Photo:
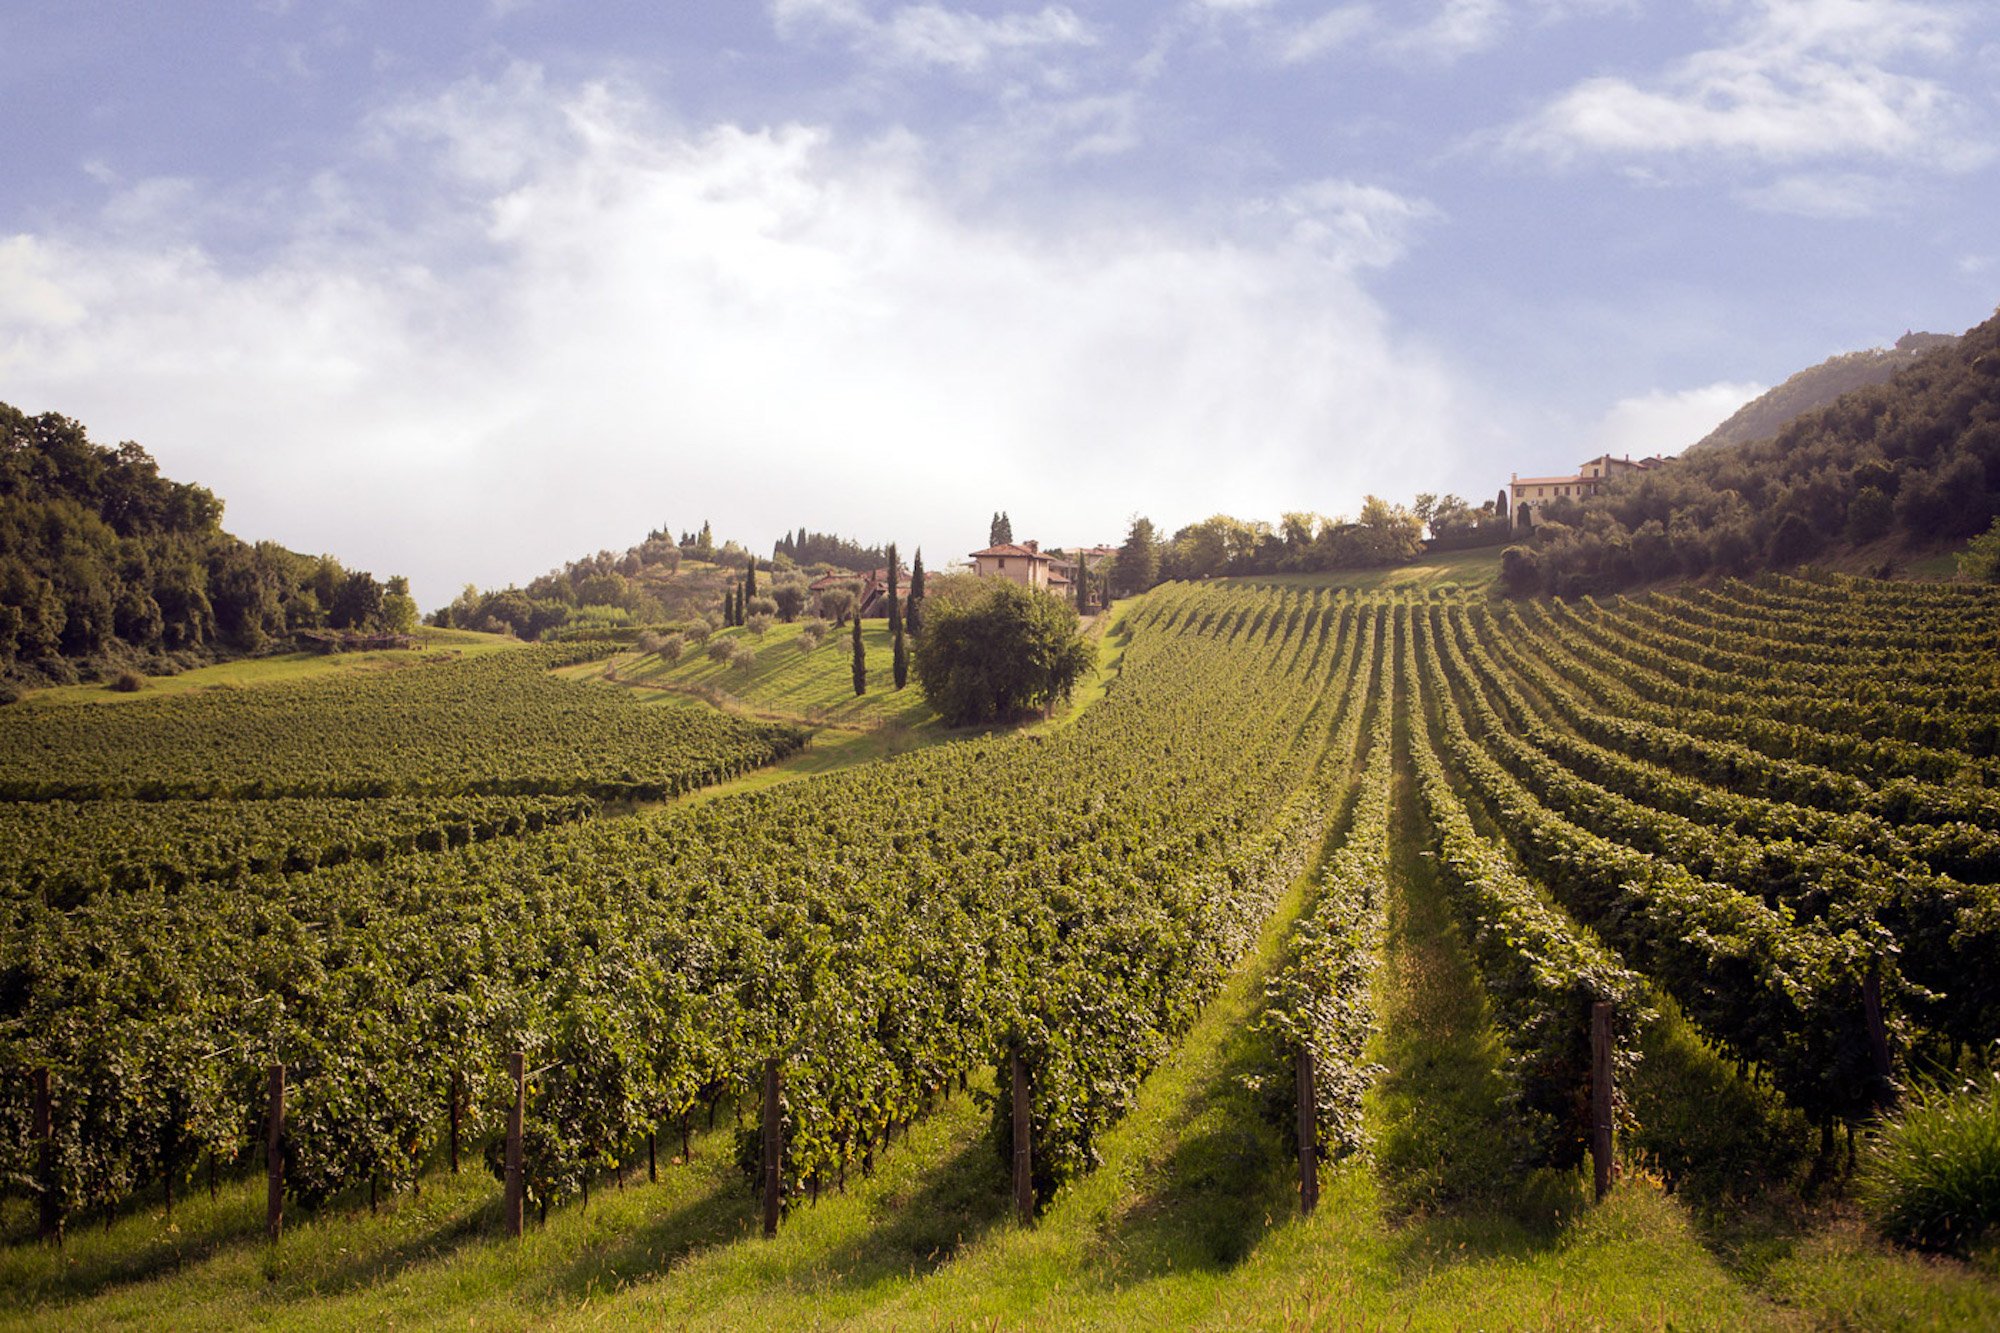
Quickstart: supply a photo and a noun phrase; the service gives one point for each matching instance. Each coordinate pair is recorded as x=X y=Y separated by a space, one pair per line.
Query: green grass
x=249 y=672
x=786 y=682
x=1468 y=569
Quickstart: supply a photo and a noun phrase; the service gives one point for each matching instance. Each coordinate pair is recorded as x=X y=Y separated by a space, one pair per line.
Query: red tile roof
x=1011 y=549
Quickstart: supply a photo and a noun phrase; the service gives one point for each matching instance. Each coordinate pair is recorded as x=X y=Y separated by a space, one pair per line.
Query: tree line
x=105 y=566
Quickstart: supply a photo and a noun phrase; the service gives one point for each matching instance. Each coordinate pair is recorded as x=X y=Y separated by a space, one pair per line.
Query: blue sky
x=463 y=290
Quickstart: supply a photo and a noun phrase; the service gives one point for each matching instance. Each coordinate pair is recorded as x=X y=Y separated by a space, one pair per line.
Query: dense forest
x=107 y=566
x=1914 y=461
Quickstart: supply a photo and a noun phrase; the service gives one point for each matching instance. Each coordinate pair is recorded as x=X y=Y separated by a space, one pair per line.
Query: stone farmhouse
x=1532 y=492
x=1026 y=564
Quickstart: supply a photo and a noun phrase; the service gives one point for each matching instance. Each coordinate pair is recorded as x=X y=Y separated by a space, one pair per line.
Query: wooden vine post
x=51 y=1227
x=774 y=1149
x=274 y=1155
x=516 y=1193
x=1878 y=1035
x=1308 y=1133
x=455 y=1094
x=1600 y=1095
x=1024 y=1156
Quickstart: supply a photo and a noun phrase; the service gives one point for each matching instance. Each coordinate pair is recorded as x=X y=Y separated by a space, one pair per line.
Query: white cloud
x=1666 y=422
x=524 y=323
x=932 y=35
x=1460 y=28
x=1330 y=31
x=1348 y=224
x=1799 y=80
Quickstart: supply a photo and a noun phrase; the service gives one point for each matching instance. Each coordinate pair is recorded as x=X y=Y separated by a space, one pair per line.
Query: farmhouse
x=1021 y=563
x=1530 y=492
x=873 y=598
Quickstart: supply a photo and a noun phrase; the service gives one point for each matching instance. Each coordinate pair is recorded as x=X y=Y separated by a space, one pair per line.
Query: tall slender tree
x=749 y=582
x=913 y=614
x=899 y=652
x=860 y=661
x=1082 y=581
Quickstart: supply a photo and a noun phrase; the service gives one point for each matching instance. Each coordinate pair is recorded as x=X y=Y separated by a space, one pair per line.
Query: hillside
x=1416 y=833
x=1817 y=386
x=1902 y=471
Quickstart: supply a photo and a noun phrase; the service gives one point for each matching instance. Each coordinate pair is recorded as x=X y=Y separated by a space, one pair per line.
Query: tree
x=899 y=652
x=836 y=602
x=704 y=543
x=1138 y=559
x=1081 y=590
x=399 y=609
x=998 y=653
x=790 y=599
x=357 y=604
x=1980 y=562
x=1500 y=504
x=1793 y=541
x=1002 y=531
x=860 y=661
x=917 y=577
x=750 y=579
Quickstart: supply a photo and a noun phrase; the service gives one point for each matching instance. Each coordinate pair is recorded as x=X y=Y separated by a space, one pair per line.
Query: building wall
x=1014 y=568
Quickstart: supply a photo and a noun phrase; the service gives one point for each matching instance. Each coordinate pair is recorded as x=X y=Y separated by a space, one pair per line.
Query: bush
x=720 y=649
x=670 y=648
x=758 y=624
x=743 y=657
x=1931 y=1177
x=648 y=642
x=999 y=653
x=1981 y=561
x=810 y=638
x=129 y=682
x=9 y=693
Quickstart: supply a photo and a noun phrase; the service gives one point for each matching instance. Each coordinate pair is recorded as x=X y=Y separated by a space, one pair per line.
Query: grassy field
x=789 y=684
x=1465 y=569
x=252 y=671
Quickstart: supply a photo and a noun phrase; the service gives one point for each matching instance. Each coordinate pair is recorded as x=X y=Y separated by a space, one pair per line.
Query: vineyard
x=1754 y=829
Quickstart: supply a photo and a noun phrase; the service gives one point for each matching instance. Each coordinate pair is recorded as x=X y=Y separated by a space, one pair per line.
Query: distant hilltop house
x=1532 y=492
x=1024 y=563
x=873 y=599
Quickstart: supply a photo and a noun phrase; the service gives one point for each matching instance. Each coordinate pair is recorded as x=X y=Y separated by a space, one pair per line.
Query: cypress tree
x=728 y=607
x=901 y=660
x=917 y=576
x=895 y=606
x=1082 y=580
x=749 y=582
x=860 y=661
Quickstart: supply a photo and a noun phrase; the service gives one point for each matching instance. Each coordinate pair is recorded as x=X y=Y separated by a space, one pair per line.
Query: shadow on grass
x=139 y=1246
x=919 y=1226
x=1229 y=1179
x=724 y=1211
x=1444 y=1133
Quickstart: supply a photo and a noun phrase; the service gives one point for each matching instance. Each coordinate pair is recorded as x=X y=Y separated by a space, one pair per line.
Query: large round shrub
x=997 y=652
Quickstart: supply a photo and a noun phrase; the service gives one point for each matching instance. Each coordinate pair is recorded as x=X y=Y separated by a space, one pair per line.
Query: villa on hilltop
x=1532 y=492
x=1026 y=564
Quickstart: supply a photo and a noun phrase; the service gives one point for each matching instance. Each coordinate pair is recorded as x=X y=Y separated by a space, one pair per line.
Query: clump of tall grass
x=1931 y=1177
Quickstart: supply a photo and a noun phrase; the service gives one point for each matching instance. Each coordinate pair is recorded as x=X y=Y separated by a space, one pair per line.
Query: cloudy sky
x=462 y=290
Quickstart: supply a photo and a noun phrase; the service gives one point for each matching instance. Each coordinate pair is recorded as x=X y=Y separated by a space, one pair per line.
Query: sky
x=466 y=289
